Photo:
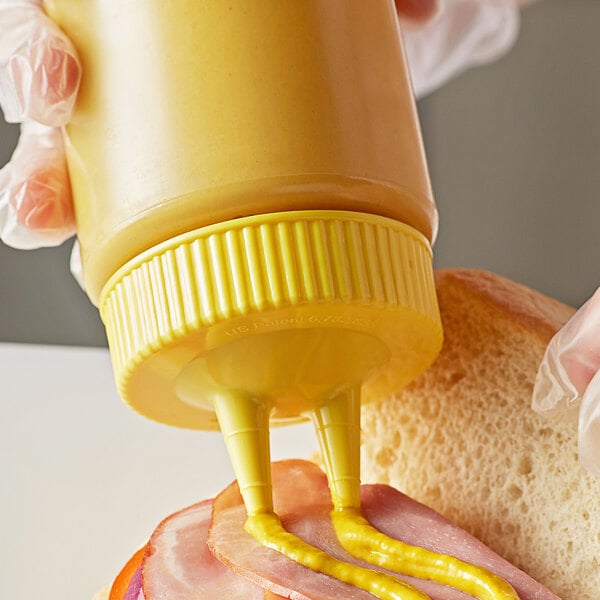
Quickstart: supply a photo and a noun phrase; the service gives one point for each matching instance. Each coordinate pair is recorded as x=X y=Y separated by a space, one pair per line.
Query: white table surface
x=85 y=480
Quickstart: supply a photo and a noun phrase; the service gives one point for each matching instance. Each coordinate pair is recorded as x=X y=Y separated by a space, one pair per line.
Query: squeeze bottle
x=252 y=200
x=255 y=215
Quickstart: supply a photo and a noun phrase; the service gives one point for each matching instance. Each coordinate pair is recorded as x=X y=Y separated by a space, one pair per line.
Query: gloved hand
x=459 y=35
x=39 y=78
x=569 y=379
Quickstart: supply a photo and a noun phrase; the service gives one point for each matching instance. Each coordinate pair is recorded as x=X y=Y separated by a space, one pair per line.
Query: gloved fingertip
x=62 y=75
x=589 y=427
x=76 y=264
x=589 y=449
x=54 y=82
x=418 y=11
x=552 y=391
x=43 y=202
x=41 y=78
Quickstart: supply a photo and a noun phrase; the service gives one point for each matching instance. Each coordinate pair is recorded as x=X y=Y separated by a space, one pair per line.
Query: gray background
x=514 y=153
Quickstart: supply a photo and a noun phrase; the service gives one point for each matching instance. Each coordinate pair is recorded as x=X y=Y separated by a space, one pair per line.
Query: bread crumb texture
x=464 y=440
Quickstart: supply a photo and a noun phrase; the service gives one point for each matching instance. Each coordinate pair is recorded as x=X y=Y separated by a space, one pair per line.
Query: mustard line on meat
x=363 y=541
x=245 y=425
x=267 y=529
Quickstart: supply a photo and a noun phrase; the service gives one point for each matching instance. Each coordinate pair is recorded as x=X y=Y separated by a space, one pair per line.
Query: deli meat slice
x=400 y=517
x=268 y=568
x=179 y=566
x=302 y=501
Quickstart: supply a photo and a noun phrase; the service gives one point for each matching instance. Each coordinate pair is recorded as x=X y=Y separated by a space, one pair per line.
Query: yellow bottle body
x=192 y=113
x=242 y=172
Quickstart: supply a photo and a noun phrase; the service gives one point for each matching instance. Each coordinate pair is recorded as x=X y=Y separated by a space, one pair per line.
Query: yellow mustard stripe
x=267 y=529
x=362 y=540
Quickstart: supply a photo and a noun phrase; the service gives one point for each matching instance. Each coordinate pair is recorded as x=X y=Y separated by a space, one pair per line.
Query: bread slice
x=464 y=440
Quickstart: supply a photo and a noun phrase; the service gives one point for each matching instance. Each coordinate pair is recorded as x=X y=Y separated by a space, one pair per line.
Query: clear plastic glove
x=39 y=78
x=569 y=379
x=461 y=34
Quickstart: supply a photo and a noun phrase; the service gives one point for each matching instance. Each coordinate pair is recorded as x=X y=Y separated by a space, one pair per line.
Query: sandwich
x=483 y=478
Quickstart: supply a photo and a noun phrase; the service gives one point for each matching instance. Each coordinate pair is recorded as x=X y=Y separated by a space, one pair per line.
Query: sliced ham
x=302 y=501
x=179 y=566
x=401 y=517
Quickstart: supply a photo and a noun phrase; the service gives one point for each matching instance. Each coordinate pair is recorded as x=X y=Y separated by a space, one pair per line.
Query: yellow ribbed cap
x=290 y=307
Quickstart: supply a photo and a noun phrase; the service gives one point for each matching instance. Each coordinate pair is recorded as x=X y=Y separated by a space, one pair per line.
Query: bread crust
x=539 y=315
